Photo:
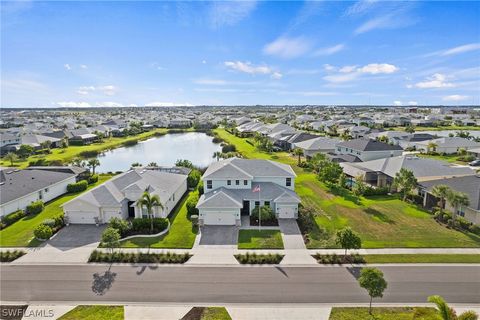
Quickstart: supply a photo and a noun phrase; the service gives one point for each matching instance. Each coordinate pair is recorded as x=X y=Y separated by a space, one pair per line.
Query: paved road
x=407 y=284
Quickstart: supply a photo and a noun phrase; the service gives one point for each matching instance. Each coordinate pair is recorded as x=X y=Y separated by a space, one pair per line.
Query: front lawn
x=260 y=239
x=399 y=313
x=94 y=313
x=20 y=233
x=422 y=258
x=207 y=313
x=381 y=222
x=180 y=236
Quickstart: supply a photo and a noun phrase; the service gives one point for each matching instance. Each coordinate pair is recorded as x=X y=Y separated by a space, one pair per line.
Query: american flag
x=256 y=189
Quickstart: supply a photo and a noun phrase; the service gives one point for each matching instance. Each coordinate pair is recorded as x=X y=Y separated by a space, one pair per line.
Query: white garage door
x=107 y=215
x=81 y=217
x=286 y=212
x=219 y=218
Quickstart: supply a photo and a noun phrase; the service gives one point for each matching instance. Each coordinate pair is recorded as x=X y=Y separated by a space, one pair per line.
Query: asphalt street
x=183 y=284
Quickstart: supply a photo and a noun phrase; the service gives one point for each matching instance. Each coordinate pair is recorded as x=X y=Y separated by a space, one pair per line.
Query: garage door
x=286 y=212
x=81 y=217
x=107 y=215
x=219 y=218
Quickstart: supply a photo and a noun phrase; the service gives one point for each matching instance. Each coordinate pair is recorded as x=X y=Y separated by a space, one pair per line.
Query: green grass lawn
x=215 y=313
x=381 y=222
x=422 y=258
x=66 y=155
x=399 y=313
x=260 y=239
x=94 y=313
x=20 y=233
x=181 y=235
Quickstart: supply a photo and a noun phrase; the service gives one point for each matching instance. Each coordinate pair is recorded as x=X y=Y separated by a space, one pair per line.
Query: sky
x=120 y=53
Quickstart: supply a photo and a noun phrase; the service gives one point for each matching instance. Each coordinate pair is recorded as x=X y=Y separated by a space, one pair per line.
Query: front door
x=131 y=210
x=246 y=208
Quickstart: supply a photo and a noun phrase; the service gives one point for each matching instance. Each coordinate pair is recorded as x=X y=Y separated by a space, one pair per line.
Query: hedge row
x=11 y=218
x=77 y=187
x=9 y=256
x=254 y=258
x=35 y=207
x=125 y=257
x=338 y=259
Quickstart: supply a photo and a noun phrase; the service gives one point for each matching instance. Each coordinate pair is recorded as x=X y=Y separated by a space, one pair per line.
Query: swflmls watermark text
x=18 y=312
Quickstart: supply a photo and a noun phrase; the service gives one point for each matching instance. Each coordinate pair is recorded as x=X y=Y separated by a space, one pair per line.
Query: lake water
x=165 y=151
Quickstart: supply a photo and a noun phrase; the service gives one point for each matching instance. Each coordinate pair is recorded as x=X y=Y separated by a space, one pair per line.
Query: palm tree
x=457 y=200
x=299 y=153
x=432 y=146
x=447 y=313
x=153 y=164
x=149 y=201
x=217 y=154
x=45 y=145
x=441 y=191
x=78 y=162
x=93 y=163
x=12 y=157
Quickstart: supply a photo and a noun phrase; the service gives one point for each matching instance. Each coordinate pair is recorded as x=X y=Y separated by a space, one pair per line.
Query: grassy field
x=399 y=313
x=381 y=222
x=260 y=239
x=20 y=234
x=422 y=258
x=181 y=235
x=450 y=158
x=66 y=155
x=94 y=313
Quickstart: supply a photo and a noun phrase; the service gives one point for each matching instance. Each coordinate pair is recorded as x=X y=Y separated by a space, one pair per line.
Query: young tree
x=12 y=157
x=405 y=182
x=45 y=145
x=348 y=239
x=329 y=171
x=64 y=143
x=457 y=200
x=342 y=180
x=432 y=147
x=371 y=279
x=299 y=153
x=441 y=191
x=360 y=186
x=410 y=129
x=447 y=313
x=149 y=201
x=93 y=163
x=111 y=238
x=25 y=150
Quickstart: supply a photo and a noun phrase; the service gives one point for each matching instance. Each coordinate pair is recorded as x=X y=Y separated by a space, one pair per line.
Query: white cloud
x=83 y=66
x=461 y=49
x=228 y=13
x=455 y=97
x=249 y=68
x=360 y=7
x=376 y=68
x=204 y=61
x=109 y=104
x=328 y=67
x=329 y=50
x=168 y=104
x=342 y=77
x=73 y=104
x=375 y=23
x=412 y=103
x=287 y=48
x=347 y=69
x=397 y=103
x=438 y=80
x=85 y=90
x=349 y=73
x=67 y=66
x=108 y=90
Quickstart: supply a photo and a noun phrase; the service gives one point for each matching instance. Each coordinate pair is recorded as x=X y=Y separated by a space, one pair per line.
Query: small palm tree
x=93 y=163
x=441 y=191
x=153 y=164
x=432 y=147
x=12 y=157
x=78 y=162
x=457 y=200
x=150 y=201
x=299 y=153
x=217 y=155
x=447 y=313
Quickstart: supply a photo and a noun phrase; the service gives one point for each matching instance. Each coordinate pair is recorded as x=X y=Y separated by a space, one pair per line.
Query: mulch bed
x=266 y=223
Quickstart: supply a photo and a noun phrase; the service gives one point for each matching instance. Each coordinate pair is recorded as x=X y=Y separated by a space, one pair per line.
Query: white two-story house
x=234 y=187
x=367 y=149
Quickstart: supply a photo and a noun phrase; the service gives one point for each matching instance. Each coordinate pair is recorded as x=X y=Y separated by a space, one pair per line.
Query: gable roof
x=363 y=144
x=247 y=169
x=467 y=184
x=318 y=143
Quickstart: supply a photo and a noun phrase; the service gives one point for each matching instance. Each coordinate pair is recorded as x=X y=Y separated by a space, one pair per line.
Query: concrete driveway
x=219 y=235
x=78 y=235
x=292 y=237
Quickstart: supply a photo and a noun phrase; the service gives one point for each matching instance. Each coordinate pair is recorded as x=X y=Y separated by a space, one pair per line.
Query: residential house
x=367 y=149
x=8 y=142
x=447 y=145
x=317 y=145
x=234 y=187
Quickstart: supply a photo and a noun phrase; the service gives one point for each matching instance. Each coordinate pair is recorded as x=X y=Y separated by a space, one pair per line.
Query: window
x=267 y=203
x=46 y=190
x=237 y=182
x=144 y=212
x=209 y=184
x=245 y=182
x=257 y=203
x=229 y=182
x=288 y=182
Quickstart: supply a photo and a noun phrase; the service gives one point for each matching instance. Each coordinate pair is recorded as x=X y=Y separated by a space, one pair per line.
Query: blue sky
x=227 y=53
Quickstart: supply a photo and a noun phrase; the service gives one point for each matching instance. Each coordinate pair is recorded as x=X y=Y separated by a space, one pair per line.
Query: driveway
x=292 y=237
x=77 y=235
x=219 y=235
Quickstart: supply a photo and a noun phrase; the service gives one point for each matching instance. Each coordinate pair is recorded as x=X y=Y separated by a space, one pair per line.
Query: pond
x=164 y=150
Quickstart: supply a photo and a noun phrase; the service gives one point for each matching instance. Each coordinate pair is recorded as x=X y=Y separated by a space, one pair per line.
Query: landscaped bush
x=38 y=162
x=474 y=228
x=306 y=219
x=266 y=213
x=121 y=225
x=11 y=218
x=92 y=179
x=77 y=187
x=229 y=148
x=127 y=257
x=191 y=203
x=49 y=222
x=43 y=232
x=338 y=259
x=254 y=258
x=466 y=158
x=9 y=256
x=35 y=207
x=89 y=154
x=142 y=225
x=200 y=188
x=462 y=223
x=217 y=139
x=59 y=220
x=381 y=191
x=193 y=178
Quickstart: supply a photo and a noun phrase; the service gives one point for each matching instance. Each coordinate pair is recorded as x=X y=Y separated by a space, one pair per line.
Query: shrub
x=474 y=228
x=266 y=213
x=92 y=179
x=89 y=154
x=193 y=178
x=35 y=207
x=339 y=259
x=125 y=257
x=77 y=187
x=184 y=163
x=49 y=222
x=38 y=162
x=43 y=232
x=229 y=148
x=142 y=225
x=306 y=219
x=12 y=217
x=217 y=140
x=119 y=224
x=191 y=203
x=200 y=188
x=462 y=223
x=59 y=220
x=381 y=191
x=254 y=258
x=9 y=256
